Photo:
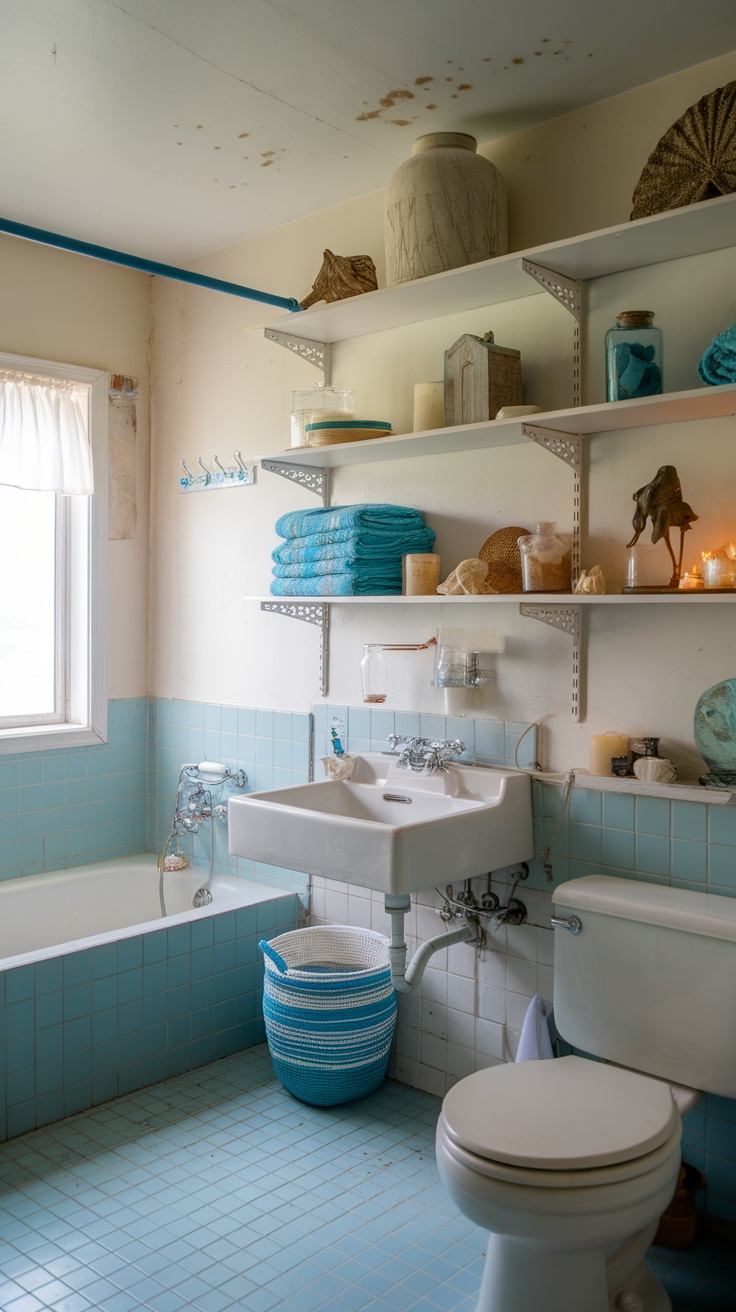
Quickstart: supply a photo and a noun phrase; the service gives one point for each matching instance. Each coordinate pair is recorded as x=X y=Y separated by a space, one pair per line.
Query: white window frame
x=83 y=591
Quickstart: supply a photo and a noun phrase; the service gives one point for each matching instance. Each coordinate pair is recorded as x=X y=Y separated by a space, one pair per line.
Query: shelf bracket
x=569 y=293
x=312 y=613
x=318 y=354
x=311 y=478
x=569 y=620
x=568 y=447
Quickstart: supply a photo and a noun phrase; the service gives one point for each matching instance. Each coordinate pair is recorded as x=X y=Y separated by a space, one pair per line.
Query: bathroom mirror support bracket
x=312 y=479
x=569 y=620
x=318 y=354
x=312 y=613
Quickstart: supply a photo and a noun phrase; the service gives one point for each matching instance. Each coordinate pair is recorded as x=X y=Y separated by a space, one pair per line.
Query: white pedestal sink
x=390 y=828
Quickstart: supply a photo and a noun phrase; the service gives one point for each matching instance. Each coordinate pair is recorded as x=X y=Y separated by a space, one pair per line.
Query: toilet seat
x=568 y=1117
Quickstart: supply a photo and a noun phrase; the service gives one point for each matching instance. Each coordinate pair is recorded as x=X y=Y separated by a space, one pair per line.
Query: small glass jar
x=633 y=356
x=314 y=403
x=546 y=560
x=373 y=673
x=420 y=574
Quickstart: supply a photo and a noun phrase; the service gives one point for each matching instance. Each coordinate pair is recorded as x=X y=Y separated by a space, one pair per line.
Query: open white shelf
x=703 y=597
x=673 y=407
x=689 y=790
x=692 y=230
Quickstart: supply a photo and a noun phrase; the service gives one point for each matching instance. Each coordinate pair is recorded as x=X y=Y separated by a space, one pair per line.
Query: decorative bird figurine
x=661 y=502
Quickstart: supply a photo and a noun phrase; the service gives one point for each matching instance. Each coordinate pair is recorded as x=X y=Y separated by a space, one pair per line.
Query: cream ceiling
x=171 y=128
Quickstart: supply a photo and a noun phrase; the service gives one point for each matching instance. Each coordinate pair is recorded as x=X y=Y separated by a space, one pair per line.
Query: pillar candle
x=429 y=406
x=420 y=574
x=602 y=747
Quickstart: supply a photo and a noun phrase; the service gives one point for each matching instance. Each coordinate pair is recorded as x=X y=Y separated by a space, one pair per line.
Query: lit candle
x=604 y=746
x=719 y=568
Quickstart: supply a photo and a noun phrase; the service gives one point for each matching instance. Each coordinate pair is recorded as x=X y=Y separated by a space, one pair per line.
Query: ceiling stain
x=389 y=101
x=422 y=81
x=401 y=122
x=243 y=134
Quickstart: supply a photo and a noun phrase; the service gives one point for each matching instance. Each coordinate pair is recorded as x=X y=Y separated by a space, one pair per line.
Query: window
x=52 y=596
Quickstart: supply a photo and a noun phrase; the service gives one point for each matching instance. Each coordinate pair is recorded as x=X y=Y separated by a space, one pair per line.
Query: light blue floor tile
x=216 y=1191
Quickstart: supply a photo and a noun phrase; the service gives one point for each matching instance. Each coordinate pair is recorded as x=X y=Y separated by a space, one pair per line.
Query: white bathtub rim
x=261 y=893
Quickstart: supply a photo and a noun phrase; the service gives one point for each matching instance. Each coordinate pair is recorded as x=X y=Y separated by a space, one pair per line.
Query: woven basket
x=329 y=1006
x=678 y=1224
x=502 y=555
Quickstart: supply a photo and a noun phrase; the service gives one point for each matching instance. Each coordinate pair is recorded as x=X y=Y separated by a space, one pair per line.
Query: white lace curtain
x=44 y=441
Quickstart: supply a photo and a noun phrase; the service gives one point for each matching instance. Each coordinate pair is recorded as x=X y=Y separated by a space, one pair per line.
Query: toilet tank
x=650 y=980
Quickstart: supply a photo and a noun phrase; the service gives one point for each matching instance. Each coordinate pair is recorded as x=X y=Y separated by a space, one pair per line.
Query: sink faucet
x=425 y=753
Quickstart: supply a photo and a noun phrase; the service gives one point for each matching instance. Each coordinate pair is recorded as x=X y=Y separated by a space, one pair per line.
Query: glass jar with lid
x=546 y=560
x=321 y=402
x=633 y=356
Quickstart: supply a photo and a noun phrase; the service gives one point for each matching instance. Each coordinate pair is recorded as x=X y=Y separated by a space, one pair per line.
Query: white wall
x=58 y=306
x=220 y=385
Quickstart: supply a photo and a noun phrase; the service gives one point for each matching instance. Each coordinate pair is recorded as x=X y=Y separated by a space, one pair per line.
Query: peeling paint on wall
x=122 y=509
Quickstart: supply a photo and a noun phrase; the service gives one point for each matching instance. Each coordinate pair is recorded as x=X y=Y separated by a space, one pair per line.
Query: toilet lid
x=563 y=1114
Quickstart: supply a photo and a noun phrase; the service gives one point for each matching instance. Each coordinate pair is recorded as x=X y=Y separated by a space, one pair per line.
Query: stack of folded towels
x=346 y=551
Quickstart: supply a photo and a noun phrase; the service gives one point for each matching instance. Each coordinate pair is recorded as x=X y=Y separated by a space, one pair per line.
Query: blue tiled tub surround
x=101 y=1016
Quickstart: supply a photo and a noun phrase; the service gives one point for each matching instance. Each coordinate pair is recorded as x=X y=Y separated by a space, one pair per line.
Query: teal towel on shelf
x=718 y=364
x=348 y=546
x=384 y=567
x=331 y=519
x=331 y=585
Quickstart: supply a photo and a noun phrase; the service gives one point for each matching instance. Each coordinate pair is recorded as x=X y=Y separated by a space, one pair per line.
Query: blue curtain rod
x=144 y=266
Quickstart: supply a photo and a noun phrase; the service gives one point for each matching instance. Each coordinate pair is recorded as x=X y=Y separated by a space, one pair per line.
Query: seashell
x=469 y=577
x=342 y=276
x=591 y=580
x=694 y=160
x=655 y=770
x=503 y=557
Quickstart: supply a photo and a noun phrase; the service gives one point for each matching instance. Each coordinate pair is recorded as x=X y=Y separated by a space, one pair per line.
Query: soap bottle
x=633 y=356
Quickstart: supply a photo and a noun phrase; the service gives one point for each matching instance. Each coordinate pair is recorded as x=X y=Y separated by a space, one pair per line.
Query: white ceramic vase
x=445 y=207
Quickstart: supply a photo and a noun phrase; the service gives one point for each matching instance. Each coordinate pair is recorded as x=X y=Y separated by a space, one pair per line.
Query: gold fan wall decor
x=694 y=160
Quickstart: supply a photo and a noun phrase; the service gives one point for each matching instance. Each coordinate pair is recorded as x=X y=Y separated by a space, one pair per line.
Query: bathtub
x=100 y=996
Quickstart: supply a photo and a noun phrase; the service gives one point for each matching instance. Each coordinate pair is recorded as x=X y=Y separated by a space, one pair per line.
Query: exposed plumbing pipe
x=45 y=238
x=407 y=978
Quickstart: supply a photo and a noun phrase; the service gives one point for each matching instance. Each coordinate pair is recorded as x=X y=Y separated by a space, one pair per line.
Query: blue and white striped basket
x=330 y=1011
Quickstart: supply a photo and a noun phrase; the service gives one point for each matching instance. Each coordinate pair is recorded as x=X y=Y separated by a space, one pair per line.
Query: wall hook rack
x=241 y=474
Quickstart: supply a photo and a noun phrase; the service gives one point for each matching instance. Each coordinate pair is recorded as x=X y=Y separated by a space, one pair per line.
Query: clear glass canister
x=633 y=356
x=315 y=403
x=546 y=560
x=373 y=672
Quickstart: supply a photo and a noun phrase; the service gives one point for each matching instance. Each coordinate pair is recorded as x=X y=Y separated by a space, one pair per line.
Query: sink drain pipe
x=407 y=978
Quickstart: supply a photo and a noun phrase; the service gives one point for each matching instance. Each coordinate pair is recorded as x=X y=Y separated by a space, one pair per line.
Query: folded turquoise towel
x=331 y=519
x=331 y=585
x=386 y=568
x=718 y=364
x=352 y=545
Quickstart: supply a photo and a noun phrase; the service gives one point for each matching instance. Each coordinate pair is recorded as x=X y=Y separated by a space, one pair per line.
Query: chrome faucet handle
x=439 y=753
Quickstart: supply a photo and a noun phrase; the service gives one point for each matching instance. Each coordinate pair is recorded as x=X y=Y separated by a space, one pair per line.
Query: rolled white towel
x=535 y=1043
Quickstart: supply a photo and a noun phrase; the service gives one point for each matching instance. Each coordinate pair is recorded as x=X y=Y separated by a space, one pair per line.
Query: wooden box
x=480 y=378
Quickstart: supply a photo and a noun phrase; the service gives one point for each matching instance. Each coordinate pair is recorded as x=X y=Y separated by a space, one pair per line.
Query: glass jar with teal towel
x=633 y=356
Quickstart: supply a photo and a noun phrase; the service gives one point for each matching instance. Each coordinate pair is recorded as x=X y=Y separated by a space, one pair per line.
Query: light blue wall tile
x=618 y=811
x=652 y=853
x=722 y=825
x=489 y=740
x=586 y=843
x=689 y=821
x=619 y=848
x=722 y=868
x=689 y=861
x=586 y=806
x=652 y=815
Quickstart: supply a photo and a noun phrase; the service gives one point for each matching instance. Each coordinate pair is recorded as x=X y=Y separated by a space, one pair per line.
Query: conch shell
x=469 y=576
x=591 y=580
x=655 y=770
x=342 y=276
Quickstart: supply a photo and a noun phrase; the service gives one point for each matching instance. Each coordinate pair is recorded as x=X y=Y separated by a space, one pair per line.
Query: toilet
x=569 y=1163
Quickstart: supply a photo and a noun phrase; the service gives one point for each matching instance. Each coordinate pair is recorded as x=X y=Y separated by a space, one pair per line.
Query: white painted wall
x=219 y=386
x=58 y=306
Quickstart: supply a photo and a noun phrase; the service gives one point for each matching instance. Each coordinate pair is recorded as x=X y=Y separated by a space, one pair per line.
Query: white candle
x=603 y=746
x=429 y=406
